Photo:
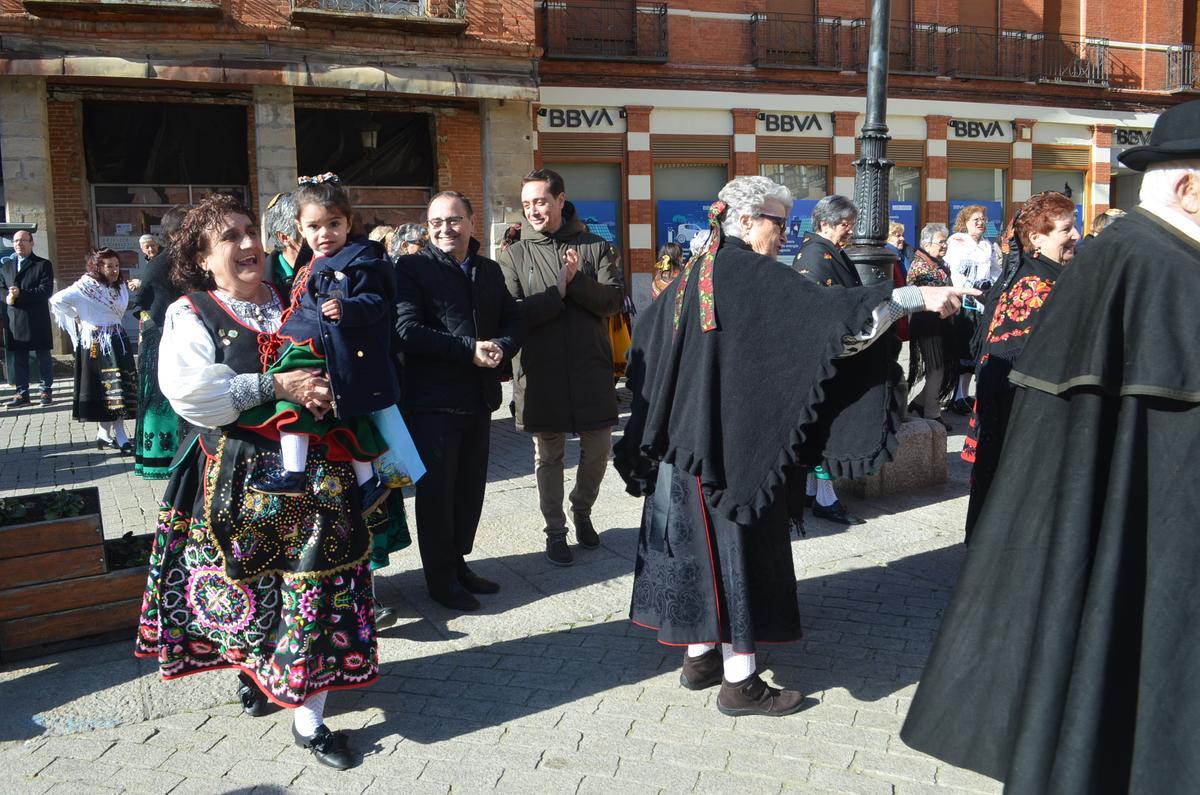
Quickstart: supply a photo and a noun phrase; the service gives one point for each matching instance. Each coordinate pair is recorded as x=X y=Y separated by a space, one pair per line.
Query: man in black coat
x=455 y=324
x=27 y=282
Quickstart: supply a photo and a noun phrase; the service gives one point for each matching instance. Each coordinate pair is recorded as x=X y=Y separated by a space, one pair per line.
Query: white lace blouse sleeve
x=188 y=375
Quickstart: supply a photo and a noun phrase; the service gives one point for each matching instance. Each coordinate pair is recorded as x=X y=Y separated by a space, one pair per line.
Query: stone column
x=1102 y=135
x=936 y=170
x=506 y=139
x=745 y=142
x=639 y=206
x=843 y=153
x=1022 y=167
x=25 y=144
x=274 y=143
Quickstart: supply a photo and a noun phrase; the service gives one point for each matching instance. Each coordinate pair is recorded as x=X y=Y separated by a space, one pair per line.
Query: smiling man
x=569 y=283
x=456 y=325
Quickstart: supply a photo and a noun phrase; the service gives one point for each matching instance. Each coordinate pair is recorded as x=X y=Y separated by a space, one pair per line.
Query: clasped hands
x=487 y=354
x=308 y=387
x=570 y=267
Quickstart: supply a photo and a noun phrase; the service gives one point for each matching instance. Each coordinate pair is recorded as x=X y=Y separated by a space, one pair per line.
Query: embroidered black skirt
x=105 y=380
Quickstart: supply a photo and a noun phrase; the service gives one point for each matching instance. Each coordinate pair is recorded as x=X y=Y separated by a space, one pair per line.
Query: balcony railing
x=1183 y=69
x=987 y=53
x=1067 y=59
x=618 y=30
x=427 y=15
x=794 y=41
x=125 y=9
x=913 y=47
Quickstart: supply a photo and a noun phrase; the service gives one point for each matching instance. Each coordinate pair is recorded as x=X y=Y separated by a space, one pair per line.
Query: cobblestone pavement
x=548 y=689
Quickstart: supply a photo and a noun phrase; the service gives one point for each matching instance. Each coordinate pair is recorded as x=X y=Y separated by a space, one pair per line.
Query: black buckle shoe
x=19 y=400
x=385 y=616
x=328 y=747
x=374 y=495
x=47 y=398
x=756 y=697
x=585 y=533
x=126 y=449
x=254 y=703
x=473 y=583
x=835 y=513
x=701 y=672
x=281 y=484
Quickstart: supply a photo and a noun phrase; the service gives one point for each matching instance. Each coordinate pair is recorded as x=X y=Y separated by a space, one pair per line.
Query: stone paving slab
x=547 y=689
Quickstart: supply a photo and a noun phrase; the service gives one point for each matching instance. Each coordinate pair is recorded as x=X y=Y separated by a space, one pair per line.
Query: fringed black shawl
x=734 y=406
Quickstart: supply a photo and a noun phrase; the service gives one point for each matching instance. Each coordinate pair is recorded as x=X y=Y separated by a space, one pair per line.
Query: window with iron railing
x=428 y=11
x=1069 y=59
x=796 y=41
x=1183 y=69
x=913 y=47
x=605 y=30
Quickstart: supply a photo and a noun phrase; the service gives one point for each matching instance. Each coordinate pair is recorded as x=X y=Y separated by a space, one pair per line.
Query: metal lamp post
x=874 y=262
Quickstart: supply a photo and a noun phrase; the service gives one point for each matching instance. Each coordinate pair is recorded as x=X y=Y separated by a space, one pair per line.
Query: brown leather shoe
x=703 y=671
x=756 y=697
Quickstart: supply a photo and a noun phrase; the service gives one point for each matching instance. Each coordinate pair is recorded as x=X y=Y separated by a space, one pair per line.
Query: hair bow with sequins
x=328 y=176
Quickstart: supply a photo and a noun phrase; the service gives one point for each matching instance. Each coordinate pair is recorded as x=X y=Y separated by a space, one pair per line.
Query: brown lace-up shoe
x=703 y=671
x=756 y=697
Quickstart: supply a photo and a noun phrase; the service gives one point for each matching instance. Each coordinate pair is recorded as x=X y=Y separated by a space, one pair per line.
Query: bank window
x=595 y=191
x=682 y=193
x=1072 y=184
x=985 y=186
x=904 y=200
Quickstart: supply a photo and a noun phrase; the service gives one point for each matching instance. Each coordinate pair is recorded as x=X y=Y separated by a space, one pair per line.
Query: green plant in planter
x=62 y=504
x=12 y=509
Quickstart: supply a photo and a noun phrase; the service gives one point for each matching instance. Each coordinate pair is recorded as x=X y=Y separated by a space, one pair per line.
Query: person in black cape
x=1066 y=661
x=1041 y=241
x=724 y=402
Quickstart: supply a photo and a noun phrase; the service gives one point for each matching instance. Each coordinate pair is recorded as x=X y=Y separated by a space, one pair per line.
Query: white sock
x=105 y=434
x=738 y=667
x=363 y=471
x=826 y=496
x=310 y=715
x=700 y=649
x=964 y=386
x=293 y=449
x=119 y=427
x=810 y=485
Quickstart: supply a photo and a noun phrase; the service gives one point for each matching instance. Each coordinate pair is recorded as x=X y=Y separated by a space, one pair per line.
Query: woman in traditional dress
x=279 y=589
x=721 y=410
x=973 y=261
x=156 y=435
x=90 y=311
x=931 y=346
x=1042 y=241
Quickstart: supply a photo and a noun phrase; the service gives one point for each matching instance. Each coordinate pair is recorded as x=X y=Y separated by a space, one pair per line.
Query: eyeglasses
x=450 y=220
x=780 y=223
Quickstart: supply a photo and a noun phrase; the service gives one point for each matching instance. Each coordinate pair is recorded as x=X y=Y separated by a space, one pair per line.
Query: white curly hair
x=746 y=196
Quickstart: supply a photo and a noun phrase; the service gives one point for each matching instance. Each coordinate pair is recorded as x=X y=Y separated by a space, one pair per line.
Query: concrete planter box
x=920 y=462
x=57 y=588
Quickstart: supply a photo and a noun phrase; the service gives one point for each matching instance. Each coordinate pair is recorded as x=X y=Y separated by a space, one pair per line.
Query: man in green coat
x=568 y=283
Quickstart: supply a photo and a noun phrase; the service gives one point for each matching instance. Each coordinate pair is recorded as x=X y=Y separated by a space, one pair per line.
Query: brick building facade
x=648 y=108
x=116 y=110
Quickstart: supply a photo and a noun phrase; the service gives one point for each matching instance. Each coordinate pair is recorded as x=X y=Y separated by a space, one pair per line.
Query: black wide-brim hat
x=1176 y=136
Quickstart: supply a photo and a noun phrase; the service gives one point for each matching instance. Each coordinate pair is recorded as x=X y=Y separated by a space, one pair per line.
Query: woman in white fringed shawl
x=90 y=311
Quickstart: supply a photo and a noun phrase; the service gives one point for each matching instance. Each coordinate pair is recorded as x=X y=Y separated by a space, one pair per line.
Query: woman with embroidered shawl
x=279 y=589
x=1041 y=241
x=90 y=311
x=733 y=383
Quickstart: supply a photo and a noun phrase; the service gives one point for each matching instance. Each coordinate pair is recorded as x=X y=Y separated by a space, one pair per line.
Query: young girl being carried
x=340 y=322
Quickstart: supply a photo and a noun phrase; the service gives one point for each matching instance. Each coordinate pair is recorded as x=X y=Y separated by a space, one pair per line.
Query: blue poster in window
x=995 y=216
x=679 y=222
x=600 y=218
x=905 y=213
x=1079 y=219
x=799 y=225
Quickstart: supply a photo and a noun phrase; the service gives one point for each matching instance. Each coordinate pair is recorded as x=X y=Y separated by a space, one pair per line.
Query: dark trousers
x=21 y=371
x=454 y=449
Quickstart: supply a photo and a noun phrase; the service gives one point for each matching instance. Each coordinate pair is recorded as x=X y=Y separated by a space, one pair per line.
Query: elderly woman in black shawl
x=724 y=401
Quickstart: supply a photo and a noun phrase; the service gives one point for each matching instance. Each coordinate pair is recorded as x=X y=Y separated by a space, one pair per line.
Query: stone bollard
x=920 y=462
